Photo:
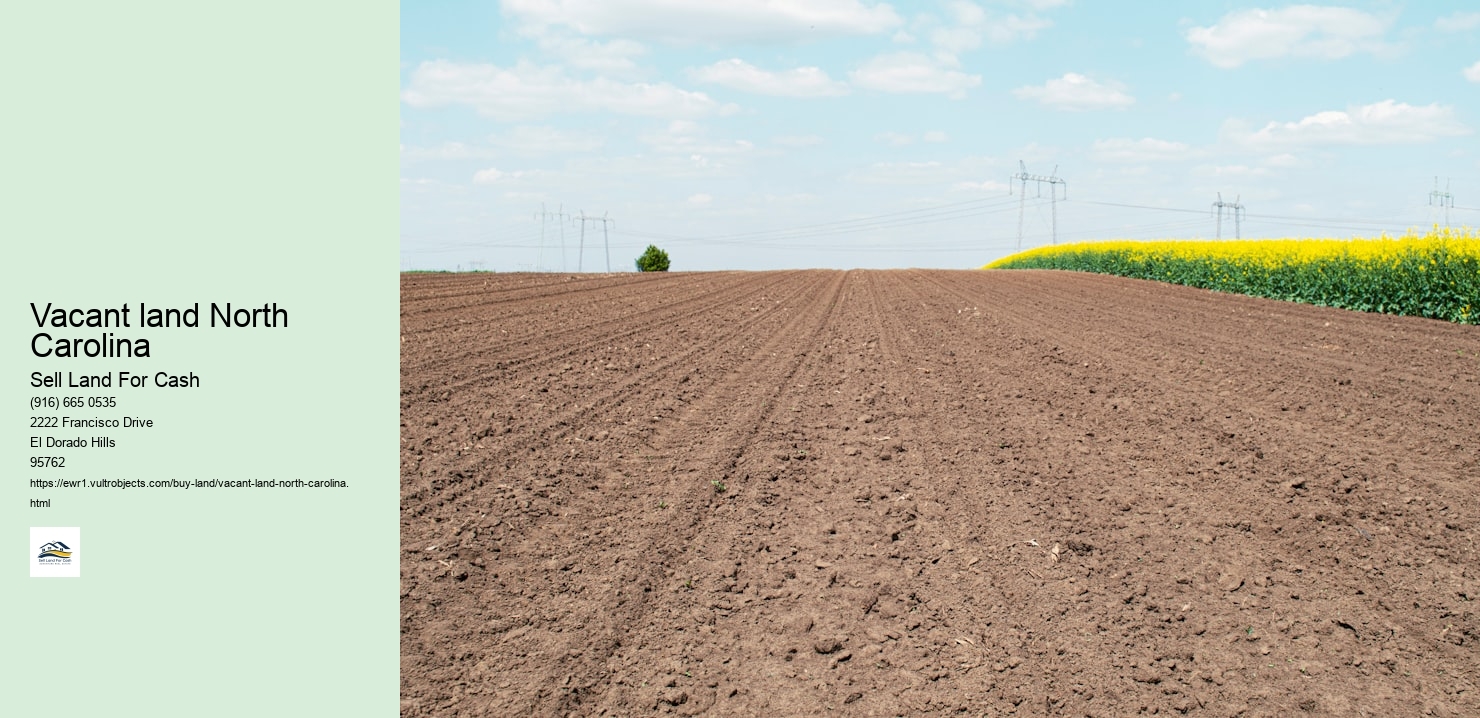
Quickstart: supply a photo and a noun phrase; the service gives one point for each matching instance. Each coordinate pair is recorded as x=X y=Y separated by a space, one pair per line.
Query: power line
x=870 y=233
x=1297 y=220
x=517 y=239
x=1136 y=206
x=849 y=226
x=825 y=229
x=856 y=220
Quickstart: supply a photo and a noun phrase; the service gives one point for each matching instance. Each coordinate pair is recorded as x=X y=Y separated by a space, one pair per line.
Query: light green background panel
x=187 y=153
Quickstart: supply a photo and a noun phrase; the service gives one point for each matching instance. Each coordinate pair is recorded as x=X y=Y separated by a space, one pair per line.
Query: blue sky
x=754 y=134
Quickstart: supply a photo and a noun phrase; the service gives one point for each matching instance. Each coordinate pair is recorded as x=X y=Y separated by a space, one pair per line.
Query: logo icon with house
x=56 y=549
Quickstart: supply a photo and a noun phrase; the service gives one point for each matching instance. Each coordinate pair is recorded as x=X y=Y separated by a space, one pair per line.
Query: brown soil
x=930 y=492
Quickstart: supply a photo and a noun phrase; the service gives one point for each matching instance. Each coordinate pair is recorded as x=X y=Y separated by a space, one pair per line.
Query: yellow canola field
x=1433 y=275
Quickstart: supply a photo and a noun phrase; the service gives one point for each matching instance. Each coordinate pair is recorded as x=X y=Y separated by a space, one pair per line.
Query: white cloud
x=1033 y=153
x=522 y=140
x=543 y=140
x=732 y=21
x=616 y=57
x=798 y=82
x=488 y=176
x=983 y=186
x=969 y=26
x=899 y=140
x=966 y=13
x=797 y=140
x=1076 y=92
x=793 y=199
x=699 y=200
x=526 y=91
x=941 y=175
x=683 y=137
x=912 y=72
x=495 y=175
x=632 y=171
x=955 y=39
x=1231 y=171
x=902 y=173
x=444 y=151
x=1143 y=150
x=1296 y=31
x=1458 y=22
x=1380 y=123
x=1472 y=73
x=1283 y=159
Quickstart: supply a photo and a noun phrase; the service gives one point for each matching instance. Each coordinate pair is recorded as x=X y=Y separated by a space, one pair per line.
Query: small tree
x=653 y=260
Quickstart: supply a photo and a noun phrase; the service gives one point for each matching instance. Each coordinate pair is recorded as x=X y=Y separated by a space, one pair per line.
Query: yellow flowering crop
x=1433 y=275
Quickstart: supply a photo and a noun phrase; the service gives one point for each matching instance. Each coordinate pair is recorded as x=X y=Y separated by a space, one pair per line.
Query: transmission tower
x=606 y=242
x=581 y=248
x=604 y=220
x=1235 y=209
x=544 y=216
x=1442 y=199
x=1053 y=181
x=563 y=217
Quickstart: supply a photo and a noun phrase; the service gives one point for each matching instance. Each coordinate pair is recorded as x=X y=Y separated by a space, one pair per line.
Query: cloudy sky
x=764 y=134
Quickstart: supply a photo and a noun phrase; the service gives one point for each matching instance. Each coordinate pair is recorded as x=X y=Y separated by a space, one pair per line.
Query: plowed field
x=930 y=493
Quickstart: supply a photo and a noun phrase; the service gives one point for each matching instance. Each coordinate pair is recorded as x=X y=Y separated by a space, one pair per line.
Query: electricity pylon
x=1236 y=209
x=1053 y=181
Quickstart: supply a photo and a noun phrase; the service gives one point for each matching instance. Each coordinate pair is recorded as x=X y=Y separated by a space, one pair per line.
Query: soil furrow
x=493 y=291
x=576 y=407
x=928 y=493
x=542 y=306
x=478 y=360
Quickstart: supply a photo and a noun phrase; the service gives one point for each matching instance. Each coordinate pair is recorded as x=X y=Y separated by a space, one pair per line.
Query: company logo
x=56 y=550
